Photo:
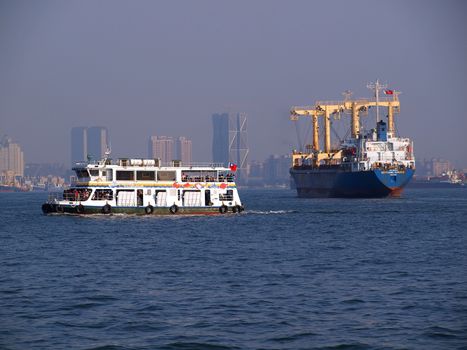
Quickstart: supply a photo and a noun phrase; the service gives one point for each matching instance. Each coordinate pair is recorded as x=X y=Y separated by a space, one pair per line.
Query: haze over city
x=151 y=68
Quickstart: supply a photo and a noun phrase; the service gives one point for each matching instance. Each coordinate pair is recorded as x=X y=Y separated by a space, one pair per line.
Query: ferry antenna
x=108 y=151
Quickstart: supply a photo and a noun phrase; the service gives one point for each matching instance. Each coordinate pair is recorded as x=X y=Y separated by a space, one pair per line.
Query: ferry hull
x=334 y=182
x=76 y=209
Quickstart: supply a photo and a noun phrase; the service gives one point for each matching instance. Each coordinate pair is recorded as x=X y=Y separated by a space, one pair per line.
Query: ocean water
x=288 y=273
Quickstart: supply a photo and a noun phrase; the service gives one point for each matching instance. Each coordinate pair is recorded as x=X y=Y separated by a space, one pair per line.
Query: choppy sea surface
x=288 y=273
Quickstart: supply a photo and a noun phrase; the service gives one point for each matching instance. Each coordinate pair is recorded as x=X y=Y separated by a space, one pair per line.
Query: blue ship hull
x=335 y=182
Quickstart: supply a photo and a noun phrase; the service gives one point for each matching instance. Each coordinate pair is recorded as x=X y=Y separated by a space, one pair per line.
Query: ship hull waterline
x=77 y=209
x=335 y=183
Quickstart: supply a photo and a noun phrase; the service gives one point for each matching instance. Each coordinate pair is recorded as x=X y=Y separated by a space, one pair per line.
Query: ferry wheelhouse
x=144 y=187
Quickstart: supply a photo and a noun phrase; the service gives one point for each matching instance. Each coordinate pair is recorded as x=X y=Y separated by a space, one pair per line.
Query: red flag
x=233 y=167
x=389 y=92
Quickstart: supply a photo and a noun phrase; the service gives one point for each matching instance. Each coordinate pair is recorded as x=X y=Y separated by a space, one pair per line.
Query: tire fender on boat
x=223 y=209
x=46 y=208
x=173 y=209
x=59 y=209
x=238 y=209
x=106 y=209
x=149 y=209
x=80 y=209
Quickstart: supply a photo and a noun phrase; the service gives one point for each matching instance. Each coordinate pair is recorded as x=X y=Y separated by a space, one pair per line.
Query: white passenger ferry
x=144 y=187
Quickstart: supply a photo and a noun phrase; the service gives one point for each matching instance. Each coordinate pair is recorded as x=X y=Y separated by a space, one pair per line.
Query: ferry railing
x=221 y=178
x=68 y=196
x=195 y=165
x=54 y=197
x=83 y=164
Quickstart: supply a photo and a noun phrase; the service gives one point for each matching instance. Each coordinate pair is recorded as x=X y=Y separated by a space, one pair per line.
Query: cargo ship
x=370 y=163
x=146 y=187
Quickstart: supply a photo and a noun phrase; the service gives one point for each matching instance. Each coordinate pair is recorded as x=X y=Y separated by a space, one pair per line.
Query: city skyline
x=136 y=73
x=272 y=171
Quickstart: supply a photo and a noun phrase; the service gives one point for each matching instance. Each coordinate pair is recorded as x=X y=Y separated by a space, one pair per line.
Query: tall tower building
x=238 y=142
x=88 y=143
x=161 y=147
x=79 y=145
x=230 y=142
x=220 y=138
x=97 y=142
x=183 y=150
x=11 y=158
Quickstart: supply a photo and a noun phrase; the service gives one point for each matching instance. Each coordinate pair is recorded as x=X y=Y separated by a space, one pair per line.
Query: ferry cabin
x=141 y=186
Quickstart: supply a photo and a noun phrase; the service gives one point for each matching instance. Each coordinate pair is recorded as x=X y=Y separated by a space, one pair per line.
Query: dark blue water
x=288 y=274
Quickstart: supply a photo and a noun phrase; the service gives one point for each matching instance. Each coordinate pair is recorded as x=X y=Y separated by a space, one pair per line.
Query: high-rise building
x=230 y=143
x=220 y=138
x=11 y=158
x=79 y=145
x=97 y=142
x=440 y=166
x=184 y=150
x=88 y=143
x=161 y=147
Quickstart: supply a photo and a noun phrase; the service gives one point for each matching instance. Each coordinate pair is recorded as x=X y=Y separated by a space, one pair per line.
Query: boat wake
x=270 y=212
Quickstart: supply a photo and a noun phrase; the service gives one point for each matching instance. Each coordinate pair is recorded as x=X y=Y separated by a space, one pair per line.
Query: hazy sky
x=146 y=68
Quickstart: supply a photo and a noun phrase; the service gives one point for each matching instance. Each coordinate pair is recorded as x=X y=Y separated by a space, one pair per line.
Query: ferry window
x=80 y=173
x=125 y=175
x=192 y=198
x=166 y=175
x=146 y=175
x=94 y=172
x=199 y=176
x=228 y=196
x=102 y=194
x=77 y=194
x=161 y=198
x=109 y=175
x=125 y=198
x=226 y=176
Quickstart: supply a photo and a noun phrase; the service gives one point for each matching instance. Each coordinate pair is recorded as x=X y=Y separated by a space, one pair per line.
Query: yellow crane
x=353 y=107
